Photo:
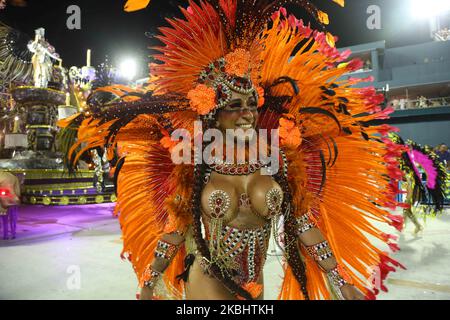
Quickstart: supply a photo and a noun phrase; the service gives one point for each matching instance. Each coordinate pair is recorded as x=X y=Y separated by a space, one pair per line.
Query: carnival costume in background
x=414 y=159
x=15 y=3
x=15 y=58
x=336 y=174
x=23 y=60
x=9 y=201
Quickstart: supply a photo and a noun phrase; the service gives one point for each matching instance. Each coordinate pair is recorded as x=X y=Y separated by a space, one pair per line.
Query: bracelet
x=337 y=278
x=320 y=251
x=165 y=250
x=304 y=224
x=151 y=278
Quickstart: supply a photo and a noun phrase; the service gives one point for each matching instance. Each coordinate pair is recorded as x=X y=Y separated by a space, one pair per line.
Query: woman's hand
x=351 y=293
x=146 y=294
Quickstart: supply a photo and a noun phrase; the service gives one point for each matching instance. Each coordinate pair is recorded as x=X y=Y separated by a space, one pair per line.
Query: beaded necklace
x=236 y=169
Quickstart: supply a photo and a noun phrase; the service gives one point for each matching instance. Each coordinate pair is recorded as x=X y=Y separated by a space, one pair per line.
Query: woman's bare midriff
x=202 y=286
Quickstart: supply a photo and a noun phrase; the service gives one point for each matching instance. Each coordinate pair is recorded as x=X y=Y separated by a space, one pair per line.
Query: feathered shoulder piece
x=153 y=193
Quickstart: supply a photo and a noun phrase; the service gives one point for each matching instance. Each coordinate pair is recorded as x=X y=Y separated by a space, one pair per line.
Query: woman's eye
x=253 y=106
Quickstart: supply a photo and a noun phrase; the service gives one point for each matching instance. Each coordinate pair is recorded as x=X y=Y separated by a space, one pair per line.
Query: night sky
x=108 y=30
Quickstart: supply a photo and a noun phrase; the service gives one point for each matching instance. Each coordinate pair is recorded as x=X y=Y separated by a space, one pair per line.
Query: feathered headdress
x=217 y=49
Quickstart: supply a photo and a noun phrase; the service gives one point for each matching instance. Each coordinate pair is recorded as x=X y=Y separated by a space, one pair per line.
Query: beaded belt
x=244 y=251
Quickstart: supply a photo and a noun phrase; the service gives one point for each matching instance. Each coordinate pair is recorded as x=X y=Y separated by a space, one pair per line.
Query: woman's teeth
x=244 y=126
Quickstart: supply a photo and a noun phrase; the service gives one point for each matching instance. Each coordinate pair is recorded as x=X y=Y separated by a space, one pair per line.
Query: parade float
x=35 y=92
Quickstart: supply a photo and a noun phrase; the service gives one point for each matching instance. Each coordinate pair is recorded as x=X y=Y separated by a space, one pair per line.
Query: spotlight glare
x=429 y=9
x=128 y=68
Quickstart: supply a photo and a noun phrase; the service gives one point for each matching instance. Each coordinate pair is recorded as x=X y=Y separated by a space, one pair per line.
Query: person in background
x=411 y=198
x=422 y=102
x=419 y=164
x=402 y=104
x=9 y=199
x=395 y=103
x=444 y=155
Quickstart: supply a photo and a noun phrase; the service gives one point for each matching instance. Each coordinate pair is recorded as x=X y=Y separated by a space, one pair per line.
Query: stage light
x=128 y=68
x=429 y=9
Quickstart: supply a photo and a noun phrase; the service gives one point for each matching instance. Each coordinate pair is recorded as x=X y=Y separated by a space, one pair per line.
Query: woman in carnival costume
x=201 y=231
x=414 y=159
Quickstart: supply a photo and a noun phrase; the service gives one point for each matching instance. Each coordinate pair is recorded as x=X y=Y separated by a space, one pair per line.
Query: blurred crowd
x=420 y=102
x=442 y=35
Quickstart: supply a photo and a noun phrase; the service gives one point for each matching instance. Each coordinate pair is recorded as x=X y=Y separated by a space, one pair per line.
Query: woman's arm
x=318 y=248
x=165 y=251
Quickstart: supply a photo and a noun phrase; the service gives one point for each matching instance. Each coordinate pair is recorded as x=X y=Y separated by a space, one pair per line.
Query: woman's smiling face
x=240 y=113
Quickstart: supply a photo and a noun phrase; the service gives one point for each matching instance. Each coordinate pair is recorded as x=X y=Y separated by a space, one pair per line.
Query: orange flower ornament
x=202 y=99
x=290 y=135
